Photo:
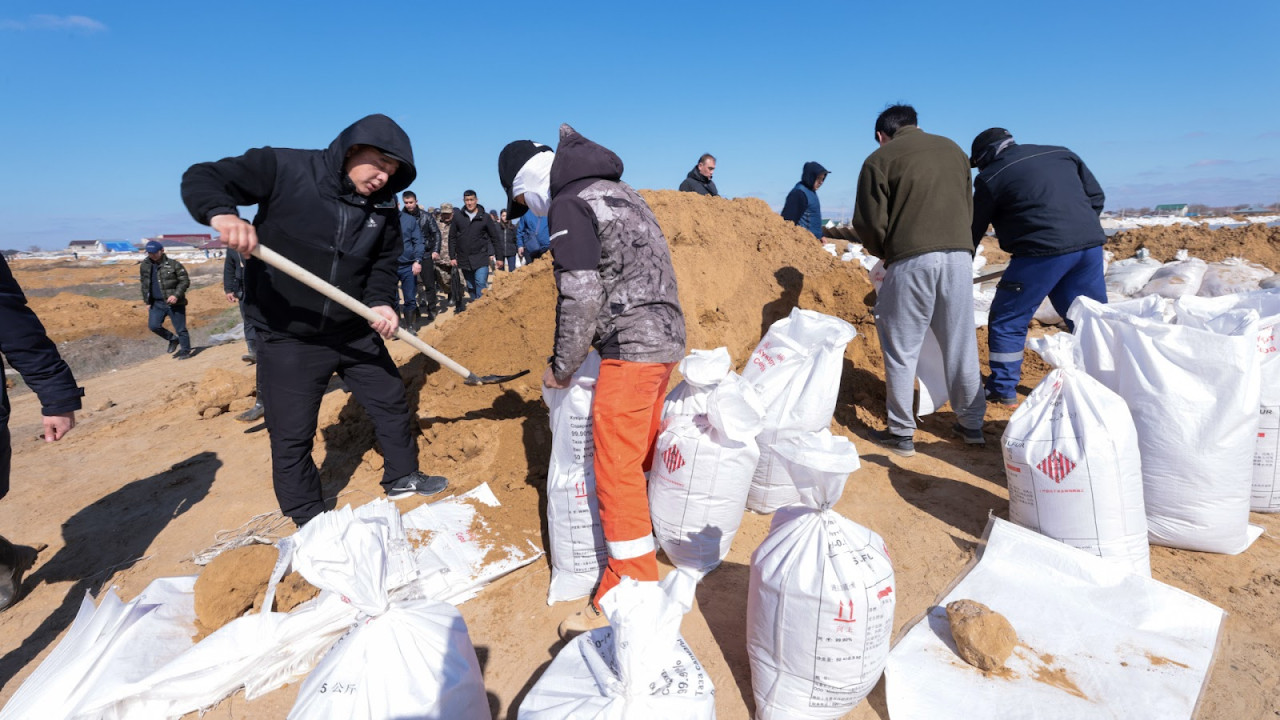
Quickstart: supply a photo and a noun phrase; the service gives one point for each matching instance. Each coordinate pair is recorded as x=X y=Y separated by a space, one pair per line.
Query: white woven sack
x=1126 y=277
x=638 y=668
x=821 y=598
x=1072 y=462
x=702 y=371
x=1176 y=279
x=796 y=370
x=1265 y=497
x=1232 y=276
x=701 y=474
x=578 y=551
x=1193 y=393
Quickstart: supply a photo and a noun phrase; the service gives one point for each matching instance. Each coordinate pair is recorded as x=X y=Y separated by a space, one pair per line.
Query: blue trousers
x=408 y=289
x=177 y=315
x=477 y=281
x=1025 y=284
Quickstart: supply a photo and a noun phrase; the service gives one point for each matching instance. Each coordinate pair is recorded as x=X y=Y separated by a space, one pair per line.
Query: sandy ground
x=143 y=482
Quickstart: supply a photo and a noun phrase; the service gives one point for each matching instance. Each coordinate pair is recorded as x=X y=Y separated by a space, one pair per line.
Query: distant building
x=99 y=246
x=180 y=243
x=83 y=246
x=1171 y=210
x=1254 y=210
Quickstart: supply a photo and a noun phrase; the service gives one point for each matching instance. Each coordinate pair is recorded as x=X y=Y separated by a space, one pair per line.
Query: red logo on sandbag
x=884 y=593
x=845 y=607
x=672 y=459
x=1056 y=466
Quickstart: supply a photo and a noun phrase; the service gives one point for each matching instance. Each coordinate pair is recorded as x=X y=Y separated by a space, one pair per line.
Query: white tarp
x=1096 y=641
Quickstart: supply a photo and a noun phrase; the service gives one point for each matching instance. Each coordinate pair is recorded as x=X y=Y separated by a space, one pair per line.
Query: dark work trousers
x=250 y=332
x=1025 y=284
x=5 y=451
x=292 y=377
x=177 y=315
x=427 y=288
x=408 y=290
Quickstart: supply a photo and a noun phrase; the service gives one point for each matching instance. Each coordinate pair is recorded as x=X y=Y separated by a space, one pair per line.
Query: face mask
x=534 y=180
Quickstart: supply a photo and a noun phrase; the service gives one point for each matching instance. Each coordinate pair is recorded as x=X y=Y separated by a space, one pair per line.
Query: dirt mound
x=220 y=388
x=230 y=584
x=1257 y=243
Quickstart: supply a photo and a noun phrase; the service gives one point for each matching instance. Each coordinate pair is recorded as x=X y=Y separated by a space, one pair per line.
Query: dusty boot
x=253 y=414
x=412 y=322
x=588 y=618
x=15 y=560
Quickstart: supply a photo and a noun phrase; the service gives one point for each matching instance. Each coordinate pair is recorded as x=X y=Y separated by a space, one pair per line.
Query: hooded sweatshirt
x=309 y=212
x=802 y=206
x=612 y=265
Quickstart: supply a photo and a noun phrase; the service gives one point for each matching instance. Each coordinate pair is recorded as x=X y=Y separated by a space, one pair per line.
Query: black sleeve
x=983 y=209
x=575 y=242
x=218 y=188
x=1097 y=198
x=27 y=347
x=495 y=238
x=453 y=238
x=793 y=208
x=431 y=233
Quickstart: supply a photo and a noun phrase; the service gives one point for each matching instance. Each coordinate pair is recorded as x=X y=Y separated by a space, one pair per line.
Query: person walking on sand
x=332 y=212
x=164 y=292
x=617 y=291
x=913 y=210
x=26 y=347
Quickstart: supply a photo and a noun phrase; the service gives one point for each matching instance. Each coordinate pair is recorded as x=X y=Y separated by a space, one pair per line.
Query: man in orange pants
x=617 y=292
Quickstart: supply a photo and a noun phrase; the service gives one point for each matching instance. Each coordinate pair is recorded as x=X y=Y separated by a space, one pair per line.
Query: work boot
x=15 y=560
x=173 y=346
x=183 y=355
x=416 y=483
x=412 y=322
x=253 y=414
x=971 y=436
x=250 y=358
x=900 y=445
x=588 y=618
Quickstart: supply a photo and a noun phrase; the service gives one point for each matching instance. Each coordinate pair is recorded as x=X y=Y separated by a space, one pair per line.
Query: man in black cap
x=29 y=350
x=333 y=212
x=1044 y=204
x=164 y=292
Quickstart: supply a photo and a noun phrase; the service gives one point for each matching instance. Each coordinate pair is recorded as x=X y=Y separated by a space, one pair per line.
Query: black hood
x=810 y=174
x=383 y=133
x=697 y=176
x=987 y=145
x=577 y=158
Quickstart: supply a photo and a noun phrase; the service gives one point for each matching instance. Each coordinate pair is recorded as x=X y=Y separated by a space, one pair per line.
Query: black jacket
x=430 y=231
x=29 y=350
x=233 y=274
x=309 y=212
x=1041 y=199
x=473 y=242
x=173 y=280
x=507 y=245
x=698 y=183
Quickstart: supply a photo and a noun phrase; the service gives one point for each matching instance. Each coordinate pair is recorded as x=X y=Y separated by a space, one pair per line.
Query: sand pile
x=1256 y=243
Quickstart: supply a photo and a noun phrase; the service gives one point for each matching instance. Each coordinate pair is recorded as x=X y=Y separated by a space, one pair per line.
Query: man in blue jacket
x=29 y=350
x=415 y=248
x=532 y=237
x=1044 y=204
x=332 y=212
x=802 y=206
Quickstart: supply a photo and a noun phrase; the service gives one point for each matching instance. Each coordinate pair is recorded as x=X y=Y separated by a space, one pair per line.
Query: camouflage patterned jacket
x=612 y=266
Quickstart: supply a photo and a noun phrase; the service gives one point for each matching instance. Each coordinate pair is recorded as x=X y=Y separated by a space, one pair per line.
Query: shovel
x=295 y=271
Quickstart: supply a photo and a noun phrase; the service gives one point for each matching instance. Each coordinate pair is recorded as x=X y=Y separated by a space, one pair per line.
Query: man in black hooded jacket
x=331 y=211
x=699 y=178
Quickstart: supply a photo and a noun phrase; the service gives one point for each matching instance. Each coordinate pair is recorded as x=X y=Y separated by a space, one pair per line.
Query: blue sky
x=105 y=104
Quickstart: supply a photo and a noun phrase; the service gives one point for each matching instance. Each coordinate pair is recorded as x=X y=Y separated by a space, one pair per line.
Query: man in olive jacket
x=164 y=291
x=913 y=211
x=333 y=212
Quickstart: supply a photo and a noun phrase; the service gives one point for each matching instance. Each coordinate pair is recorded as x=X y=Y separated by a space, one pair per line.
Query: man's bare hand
x=390 y=322
x=417 y=268
x=549 y=379
x=238 y=234
x=172 y=299
x=231 y=297
x=56 y=426
x=453 y=263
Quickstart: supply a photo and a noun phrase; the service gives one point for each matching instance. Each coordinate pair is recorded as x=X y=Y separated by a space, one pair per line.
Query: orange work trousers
x=626 y=411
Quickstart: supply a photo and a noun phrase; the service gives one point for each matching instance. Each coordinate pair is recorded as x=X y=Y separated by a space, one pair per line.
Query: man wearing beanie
x=1044 y=204
x=164 y=292
x=617 y=292
x=913 y=211
x=333 y=212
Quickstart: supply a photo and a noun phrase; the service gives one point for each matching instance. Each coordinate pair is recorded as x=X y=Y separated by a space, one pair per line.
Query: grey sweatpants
x=930 y=291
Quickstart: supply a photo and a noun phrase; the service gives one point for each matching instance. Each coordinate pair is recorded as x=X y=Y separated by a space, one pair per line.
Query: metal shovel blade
x=474 y=379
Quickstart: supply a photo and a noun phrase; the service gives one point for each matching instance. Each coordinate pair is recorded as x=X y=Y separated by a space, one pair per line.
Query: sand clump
x=984 y=638
x=231 y=584
x=219 y=389
x=292 y=591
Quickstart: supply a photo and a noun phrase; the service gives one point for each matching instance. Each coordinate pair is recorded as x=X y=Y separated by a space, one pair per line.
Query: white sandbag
x=638 y=668
x=1046 y=314
x=701 y=474
x=702 y=371
x=1231 y=276
x=578 y=550
x=821 y=598
x=1176 y=279
x=1072 y=462
x=796 y=371
x=1193 y=392
x=1265 y=496
x=1126 y=277
x=404 y=658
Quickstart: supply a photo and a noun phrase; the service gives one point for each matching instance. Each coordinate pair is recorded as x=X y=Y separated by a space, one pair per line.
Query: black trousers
x=292 y=377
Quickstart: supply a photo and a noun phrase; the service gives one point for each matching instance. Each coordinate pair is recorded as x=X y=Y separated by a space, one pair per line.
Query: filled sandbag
x=1265 y=496
x=702 y=371
x=796 y=370
x=1072 y=462
x=637 y=668
x=1126 y=277
x=1232 y=276
x=821 y=596
x=578 y=550
x=1176 y=279
x=701 y=472
x=1193 y=391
